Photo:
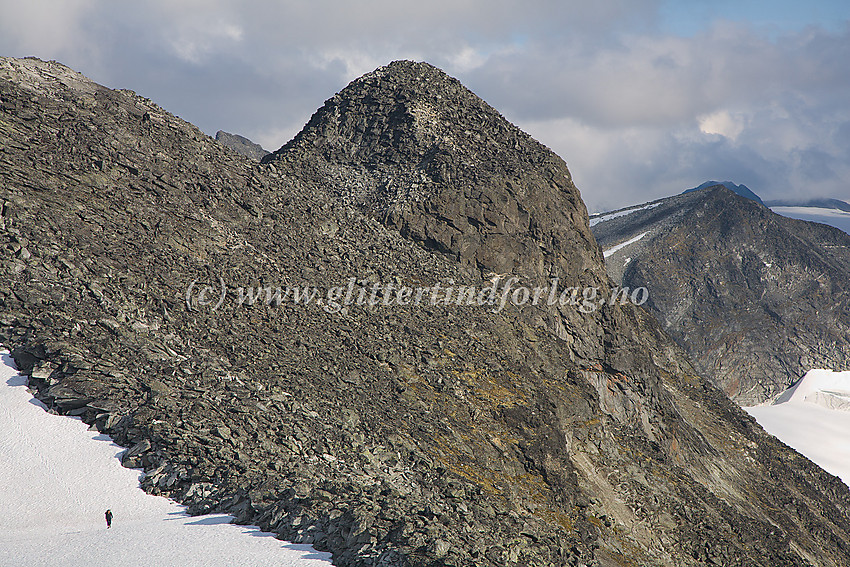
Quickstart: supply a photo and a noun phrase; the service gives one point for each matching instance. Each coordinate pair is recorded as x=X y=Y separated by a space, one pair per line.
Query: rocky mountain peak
x=430 y=158
x=395 y=113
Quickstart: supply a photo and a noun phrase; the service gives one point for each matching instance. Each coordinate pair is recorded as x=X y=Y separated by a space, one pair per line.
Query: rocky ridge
x=755 y=298
x=429 y=435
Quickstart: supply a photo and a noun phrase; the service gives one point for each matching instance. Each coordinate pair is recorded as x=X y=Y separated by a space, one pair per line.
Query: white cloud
x=722 y=123
x=43 y=26
x=354 y=63
x=194 y=44
x=467 y=59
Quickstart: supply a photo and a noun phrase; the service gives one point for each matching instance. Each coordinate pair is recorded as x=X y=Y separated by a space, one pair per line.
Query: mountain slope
x=389 y=434
x=755 y=298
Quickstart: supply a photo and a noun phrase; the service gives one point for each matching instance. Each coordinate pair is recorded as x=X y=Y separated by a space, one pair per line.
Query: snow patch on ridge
x=594 y=220
x=822 y=387
x=613 y=249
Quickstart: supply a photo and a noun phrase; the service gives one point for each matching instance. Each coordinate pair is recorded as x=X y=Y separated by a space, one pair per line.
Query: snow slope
x=822 y=387
x=813 y=417
x=57 y=479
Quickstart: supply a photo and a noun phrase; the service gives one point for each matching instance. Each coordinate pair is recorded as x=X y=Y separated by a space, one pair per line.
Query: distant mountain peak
x=241 y=145
x=730 y=296
x=741 y=189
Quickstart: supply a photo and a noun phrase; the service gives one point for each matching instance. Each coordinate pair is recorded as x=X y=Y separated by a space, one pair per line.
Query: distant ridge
x=731 y=295
x=741 y=189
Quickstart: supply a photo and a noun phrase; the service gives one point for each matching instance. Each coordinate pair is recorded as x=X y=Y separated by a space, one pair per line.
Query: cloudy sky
x=642 y=98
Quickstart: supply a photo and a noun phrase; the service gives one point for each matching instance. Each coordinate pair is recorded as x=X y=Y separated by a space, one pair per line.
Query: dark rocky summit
x=241 y=145
x=741 y=189
x=391 y=435
x=756 y=299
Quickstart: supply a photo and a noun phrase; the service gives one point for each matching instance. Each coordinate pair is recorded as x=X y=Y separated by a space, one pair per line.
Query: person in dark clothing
x=108 y=519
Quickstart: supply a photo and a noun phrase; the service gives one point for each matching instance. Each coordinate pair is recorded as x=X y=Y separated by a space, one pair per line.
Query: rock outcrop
x=389 y=433
x=241 y=145
x=756 y=299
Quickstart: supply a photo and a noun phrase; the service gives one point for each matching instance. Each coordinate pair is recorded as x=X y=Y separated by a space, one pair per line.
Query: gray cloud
x=635 y=112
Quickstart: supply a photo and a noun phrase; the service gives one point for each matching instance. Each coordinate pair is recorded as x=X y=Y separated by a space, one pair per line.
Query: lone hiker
x=108 y=516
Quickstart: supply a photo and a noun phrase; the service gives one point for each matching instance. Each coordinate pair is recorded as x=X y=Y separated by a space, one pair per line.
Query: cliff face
x=756 y=299
x=388 y=433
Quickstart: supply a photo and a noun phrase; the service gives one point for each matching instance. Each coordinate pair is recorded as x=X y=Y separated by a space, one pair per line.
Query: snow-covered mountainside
x=597 y=218
x=57 y=480
x=813 y=417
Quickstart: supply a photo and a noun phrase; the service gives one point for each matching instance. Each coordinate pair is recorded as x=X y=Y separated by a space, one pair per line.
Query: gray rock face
x=389 y=435
x=757 y=299
x=241 y=145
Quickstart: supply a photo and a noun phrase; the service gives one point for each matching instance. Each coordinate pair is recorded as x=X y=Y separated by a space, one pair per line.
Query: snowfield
x=833 y=217
x=58 y=478
x=813 y=417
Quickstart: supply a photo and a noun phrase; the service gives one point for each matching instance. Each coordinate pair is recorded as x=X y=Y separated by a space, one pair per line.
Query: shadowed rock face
x=390 y=435
x=757 y=299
